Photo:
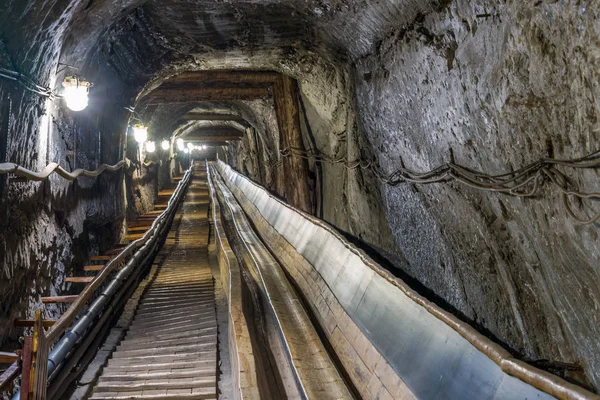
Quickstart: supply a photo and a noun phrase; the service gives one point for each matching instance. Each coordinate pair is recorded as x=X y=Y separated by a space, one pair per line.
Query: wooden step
x=102 y=258
x=93 y=267
x=79 y=279
x=59 y=299
x=29 y=323
x=8 y=358
x=112 y=252
x=135 y=224
x=138 y=228
x=133 y=236
x=153 y=213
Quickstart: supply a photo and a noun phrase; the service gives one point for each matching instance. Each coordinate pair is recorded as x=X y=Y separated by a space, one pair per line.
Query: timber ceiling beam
x=211 y=117
x=206 y=138
x=174 y=95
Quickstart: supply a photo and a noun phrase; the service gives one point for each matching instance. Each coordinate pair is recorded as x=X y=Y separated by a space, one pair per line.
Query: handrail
x=7 y=168
x=9 y=375
x=135 y=252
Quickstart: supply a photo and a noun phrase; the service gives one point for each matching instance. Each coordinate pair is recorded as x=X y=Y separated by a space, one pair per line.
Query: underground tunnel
x=318 y=199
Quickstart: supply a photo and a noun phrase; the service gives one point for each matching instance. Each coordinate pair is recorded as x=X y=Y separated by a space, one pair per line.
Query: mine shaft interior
x=285 y=199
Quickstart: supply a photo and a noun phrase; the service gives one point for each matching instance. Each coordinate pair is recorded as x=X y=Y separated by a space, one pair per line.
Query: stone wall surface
x=499 y=85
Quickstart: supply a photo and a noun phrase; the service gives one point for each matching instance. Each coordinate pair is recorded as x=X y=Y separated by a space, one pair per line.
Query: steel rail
x=140 y=251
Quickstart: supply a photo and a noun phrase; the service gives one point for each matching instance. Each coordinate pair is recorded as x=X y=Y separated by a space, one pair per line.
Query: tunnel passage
x=454 y=142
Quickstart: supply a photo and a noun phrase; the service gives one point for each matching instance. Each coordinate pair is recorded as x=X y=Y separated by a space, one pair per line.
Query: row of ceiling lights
x=140 y=134
x=76 y=95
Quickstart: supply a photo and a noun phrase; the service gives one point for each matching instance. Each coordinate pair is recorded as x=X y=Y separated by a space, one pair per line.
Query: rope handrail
x=11 y=168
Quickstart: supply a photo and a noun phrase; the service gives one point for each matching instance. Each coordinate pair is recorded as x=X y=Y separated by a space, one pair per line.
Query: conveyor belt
x=170 y=350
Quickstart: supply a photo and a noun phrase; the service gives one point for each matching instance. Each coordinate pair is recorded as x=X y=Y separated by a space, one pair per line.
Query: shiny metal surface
x=435 y=354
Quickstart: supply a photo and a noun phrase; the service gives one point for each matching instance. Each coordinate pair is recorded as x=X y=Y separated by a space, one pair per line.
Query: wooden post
x=40 y=358
x=285 y=92
x=26 y=369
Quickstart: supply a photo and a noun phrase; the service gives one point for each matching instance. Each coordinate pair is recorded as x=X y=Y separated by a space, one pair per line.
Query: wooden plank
x=8 y=358
x=133 y=236
x=59 y=299
x=153 y=213
x=28 y=323
x=166 y=192
x=93 y=267
x=79 y=279
x=8 y=376
x=112 y=252
x=135 y=224
x=102 y=258
x=138 y=229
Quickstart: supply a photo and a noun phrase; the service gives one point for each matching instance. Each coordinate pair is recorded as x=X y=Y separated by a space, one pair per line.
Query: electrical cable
x=523 y=182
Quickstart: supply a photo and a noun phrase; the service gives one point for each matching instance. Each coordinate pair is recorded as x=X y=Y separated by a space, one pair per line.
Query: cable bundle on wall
x=27 y=83
x=524 y=182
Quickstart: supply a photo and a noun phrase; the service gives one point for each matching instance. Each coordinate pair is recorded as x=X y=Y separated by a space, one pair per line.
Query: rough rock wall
x=48 y=229
x=499 y=84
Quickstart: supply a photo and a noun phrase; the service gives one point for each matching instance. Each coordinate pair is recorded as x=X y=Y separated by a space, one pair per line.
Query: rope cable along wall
x=8 y=168
x=524 y=182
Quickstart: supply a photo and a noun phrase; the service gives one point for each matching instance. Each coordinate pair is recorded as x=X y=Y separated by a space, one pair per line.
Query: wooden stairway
x=170 y=350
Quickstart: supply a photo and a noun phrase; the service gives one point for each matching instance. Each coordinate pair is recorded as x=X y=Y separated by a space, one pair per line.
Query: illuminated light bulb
x=140 y=133
x=187 y=151
x=191 y=146
x=150 y=147
x=180 y=146
x=76 y=92
x=165 y=145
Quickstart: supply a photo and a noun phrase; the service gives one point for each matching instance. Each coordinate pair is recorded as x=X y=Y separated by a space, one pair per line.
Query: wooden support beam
x=205 y=138
x=79 y=279
x=212 y=117
x=226 y=77
x=8 y=358
x=29 y=323
x=59 y=299
x=179 y=95
x=93 y=268
x=297 y=184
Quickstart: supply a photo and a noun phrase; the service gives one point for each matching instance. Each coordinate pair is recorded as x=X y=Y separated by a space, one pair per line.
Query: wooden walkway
x=170 y=350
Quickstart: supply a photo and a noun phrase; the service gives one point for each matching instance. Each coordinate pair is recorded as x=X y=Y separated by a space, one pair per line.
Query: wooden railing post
x=34 y=375
x=41 y=348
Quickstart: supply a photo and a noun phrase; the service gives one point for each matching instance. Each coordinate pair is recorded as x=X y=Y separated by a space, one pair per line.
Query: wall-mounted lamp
x=165 y=144
x=76 y=91
x=191 y=146
x=180 y=146
x=150 y=147
x=187 y=151
x=140 y=133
